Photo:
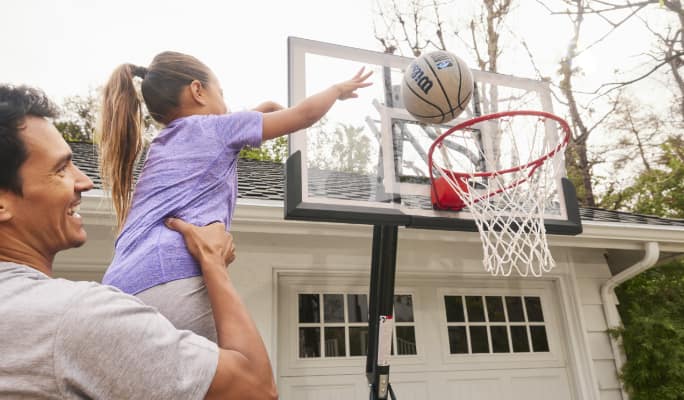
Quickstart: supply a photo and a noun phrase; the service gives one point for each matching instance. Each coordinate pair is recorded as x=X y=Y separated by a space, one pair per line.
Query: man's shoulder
x=26 y=287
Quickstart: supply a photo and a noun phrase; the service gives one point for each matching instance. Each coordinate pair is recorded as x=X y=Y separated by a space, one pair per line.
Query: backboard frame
x=299 y=206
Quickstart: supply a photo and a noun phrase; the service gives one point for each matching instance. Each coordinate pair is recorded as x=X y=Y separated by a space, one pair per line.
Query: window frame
x=554 y=357
x=291 y=288
x=346 y=324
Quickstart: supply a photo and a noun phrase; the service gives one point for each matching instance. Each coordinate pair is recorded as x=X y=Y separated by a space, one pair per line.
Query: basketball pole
x=381 y=294
x=381 y=305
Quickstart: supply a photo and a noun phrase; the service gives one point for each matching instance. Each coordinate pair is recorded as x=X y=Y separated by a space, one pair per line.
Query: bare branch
x=617 y=85
x=440 y=26
x=614 y=25
x=605 y=116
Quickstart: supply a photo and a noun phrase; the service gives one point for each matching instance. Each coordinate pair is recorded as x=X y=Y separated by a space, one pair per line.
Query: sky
x=70 y=47
x=67 y=47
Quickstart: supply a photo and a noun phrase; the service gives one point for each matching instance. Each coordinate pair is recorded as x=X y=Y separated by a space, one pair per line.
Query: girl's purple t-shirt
x=190 y=173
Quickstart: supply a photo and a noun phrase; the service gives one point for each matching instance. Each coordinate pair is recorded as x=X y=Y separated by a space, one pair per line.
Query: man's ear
x=197 y=92
x=5 y=205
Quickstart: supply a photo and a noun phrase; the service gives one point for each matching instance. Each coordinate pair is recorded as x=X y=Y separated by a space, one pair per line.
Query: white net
x=504 y=171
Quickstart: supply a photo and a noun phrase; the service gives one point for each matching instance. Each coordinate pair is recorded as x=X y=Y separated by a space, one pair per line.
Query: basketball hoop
x=506 y=192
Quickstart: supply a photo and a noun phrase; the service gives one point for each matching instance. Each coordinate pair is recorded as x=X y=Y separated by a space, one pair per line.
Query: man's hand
x=210 y=245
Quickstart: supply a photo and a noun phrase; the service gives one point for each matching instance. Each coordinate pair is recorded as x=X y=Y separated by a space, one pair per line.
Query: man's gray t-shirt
x=61 y=339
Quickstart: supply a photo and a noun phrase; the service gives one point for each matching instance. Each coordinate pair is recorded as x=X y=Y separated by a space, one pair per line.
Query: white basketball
x=437 y=87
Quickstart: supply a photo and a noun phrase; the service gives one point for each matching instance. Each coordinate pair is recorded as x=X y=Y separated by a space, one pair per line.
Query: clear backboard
x=366 y=160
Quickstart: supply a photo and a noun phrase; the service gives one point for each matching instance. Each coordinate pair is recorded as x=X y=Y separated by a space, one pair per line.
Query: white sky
x=69 y=47
x=66 y=47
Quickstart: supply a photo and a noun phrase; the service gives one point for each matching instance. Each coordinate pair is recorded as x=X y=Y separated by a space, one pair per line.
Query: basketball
x=436 y=87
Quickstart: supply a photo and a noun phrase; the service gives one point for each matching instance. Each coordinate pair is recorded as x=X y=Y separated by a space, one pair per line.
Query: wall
x=267 y=247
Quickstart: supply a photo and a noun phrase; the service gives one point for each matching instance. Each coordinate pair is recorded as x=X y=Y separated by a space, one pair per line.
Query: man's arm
x=244 y=369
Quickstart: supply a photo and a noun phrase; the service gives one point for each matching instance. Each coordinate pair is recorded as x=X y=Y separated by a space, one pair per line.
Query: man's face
x=46 y=215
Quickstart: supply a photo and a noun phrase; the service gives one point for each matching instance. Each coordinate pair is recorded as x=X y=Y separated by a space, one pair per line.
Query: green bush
x=652 y=310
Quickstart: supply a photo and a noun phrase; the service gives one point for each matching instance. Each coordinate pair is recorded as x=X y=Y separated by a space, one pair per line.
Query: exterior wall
x=269 y=248
x=591 y=271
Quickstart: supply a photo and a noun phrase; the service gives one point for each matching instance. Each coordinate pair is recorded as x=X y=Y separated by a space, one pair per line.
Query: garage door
x=475 y=339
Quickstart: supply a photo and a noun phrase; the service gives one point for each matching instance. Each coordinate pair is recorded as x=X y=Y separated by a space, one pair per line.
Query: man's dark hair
x=17 y=102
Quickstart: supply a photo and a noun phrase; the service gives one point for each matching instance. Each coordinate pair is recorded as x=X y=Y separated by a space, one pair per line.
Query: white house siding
x=591 y=271
x=271 y=251
x=429 y=263
x=90 y=261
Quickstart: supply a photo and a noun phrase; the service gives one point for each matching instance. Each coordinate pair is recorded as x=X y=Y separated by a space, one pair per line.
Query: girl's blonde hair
x=121 y=124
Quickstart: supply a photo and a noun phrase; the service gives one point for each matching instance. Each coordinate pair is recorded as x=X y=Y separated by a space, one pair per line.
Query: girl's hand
x=348 y=88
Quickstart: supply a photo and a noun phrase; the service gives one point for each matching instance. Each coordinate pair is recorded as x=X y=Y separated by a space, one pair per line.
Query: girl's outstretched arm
x=268 y=107
x=313 y=108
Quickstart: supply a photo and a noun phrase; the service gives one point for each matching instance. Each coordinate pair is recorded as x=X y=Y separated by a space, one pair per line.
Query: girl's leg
x=184 y=302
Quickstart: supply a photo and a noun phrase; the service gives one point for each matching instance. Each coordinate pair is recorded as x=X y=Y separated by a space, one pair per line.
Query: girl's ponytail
x=120 y=136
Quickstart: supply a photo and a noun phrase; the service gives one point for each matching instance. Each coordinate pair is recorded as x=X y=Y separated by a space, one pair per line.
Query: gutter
x=610 y=301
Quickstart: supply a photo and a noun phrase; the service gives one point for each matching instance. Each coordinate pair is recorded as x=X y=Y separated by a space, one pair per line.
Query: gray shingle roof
x=264 y=180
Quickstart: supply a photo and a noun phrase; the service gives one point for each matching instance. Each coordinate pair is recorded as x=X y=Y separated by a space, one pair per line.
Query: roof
x=264 y=180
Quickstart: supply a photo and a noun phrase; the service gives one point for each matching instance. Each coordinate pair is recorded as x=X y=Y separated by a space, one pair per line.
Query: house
x=459 y=333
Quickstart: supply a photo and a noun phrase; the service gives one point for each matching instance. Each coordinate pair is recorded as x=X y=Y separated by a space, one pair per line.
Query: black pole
x=381 y=305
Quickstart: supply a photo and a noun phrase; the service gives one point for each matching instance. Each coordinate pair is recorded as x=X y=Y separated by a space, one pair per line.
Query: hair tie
x=139 y=71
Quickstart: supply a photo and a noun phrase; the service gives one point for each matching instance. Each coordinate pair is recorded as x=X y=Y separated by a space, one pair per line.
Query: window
x=404 y=326
x=495 y=324
x=336 y=325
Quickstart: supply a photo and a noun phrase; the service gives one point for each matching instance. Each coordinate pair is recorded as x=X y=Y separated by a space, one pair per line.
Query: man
x=74 y=340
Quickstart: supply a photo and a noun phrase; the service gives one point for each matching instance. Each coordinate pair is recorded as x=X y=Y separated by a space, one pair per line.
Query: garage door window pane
x=519 y=338
x=458 y=342
x=406 y=340
x=539 y=341
x=358 y=341
x=333 y=307
x=309 y=342
x=478 y=339
x=454 y=309
x=495 y=309
x=403 y=308
x=309 y=308
x=475 y=309
x=534 y=309
x=334 y=342
x=358 y=307
x=500 y=339
x=515 y=309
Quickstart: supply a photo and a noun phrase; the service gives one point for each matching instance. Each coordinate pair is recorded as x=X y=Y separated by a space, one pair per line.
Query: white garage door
x=478 y=339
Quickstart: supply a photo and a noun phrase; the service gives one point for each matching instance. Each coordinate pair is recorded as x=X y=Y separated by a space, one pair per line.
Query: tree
x=78 y=120
x=658 y=190
x=668 y=44
x=668 y=48
x=577 y=160
x=651 y=307
x=274 y=150
x=638 y=132
x=344 y=149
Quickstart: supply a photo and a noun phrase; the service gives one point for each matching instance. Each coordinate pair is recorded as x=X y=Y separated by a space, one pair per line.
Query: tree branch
x=617 y=85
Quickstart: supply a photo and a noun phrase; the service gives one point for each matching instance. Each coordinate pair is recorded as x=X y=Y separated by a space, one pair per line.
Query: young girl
x=190 y=173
